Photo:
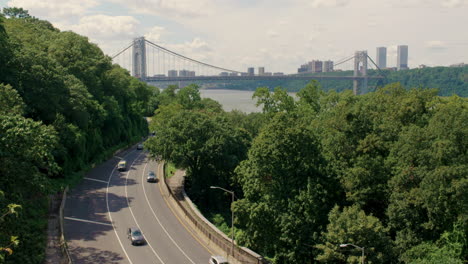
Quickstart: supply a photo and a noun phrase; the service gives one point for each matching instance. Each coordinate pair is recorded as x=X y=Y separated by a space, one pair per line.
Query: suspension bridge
x=155 y=64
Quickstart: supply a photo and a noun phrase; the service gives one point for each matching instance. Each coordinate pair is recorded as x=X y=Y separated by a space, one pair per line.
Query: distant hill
x=448 y=80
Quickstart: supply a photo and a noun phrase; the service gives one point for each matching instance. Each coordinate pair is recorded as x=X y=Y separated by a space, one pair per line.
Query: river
x=232 y=99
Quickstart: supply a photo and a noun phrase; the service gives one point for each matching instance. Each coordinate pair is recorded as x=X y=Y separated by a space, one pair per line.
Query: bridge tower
x=360 y=70
x=139 y=58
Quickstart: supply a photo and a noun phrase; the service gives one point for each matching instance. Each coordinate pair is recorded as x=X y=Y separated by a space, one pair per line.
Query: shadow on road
x=84 y=255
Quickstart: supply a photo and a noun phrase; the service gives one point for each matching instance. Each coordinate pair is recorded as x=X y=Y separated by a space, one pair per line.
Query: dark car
x=135 y=236
x=151 y=177
x=139 y=146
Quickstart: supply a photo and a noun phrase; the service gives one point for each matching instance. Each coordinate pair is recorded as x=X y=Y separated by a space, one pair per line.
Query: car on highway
x=135 y=236
x=139 y=146
x=218 y=260
x=151 y=177
x=122 y=166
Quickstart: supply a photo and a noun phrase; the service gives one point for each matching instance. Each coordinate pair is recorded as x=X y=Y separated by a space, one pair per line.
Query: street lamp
x=232 y=216
x=358 y=247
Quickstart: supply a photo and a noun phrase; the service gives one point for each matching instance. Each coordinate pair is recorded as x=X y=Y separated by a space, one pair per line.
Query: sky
x=279 y=35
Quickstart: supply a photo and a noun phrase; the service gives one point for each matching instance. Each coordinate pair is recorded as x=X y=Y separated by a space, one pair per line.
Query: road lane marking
x=86 y=221
x=120 y=157
x=182 y=221
x=131 y=211
x=109 y=212
x=157 y=218
x=91 y=179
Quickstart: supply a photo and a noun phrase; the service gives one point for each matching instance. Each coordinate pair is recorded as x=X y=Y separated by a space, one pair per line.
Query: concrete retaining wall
x=206 y=232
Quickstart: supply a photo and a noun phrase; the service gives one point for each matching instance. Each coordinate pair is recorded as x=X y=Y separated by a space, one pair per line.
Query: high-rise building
x=261 y=70
x=402 y=57
x=303 y=69
x=251 y=71
x=316 y=66
x=172 y=73
x=382 y=57
x=328 y=66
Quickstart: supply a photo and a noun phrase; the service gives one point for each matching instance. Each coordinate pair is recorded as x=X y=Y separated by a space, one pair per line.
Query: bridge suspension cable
x=189 y=59
x=122 y=51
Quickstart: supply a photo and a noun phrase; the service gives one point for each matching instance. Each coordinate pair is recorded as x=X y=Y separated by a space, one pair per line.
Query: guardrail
x=211 y=232
x=63 y=242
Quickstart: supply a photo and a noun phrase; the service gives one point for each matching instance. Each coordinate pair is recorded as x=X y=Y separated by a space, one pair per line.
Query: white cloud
x=155 y=33
x=436 y=45
x=453 y=3
x=168 y=8
x=272 y=33
x=328 y=3
x=54 y=8
x=106 y=27
x=197 y=49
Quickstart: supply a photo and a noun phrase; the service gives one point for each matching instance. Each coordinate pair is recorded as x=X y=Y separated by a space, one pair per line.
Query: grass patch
x=169 y=169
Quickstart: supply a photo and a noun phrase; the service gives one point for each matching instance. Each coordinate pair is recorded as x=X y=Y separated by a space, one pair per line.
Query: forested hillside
x=447 y=80
x=386 y=171
x=63 y=107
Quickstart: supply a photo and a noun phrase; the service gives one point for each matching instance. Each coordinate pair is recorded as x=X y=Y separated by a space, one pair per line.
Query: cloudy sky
x=277 y=34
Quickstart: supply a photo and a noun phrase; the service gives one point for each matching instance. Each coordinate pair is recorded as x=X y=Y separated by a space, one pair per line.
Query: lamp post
x=358 y=247
x=232 y=216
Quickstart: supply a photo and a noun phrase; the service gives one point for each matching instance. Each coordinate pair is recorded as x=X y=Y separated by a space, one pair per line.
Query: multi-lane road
x=107 y=202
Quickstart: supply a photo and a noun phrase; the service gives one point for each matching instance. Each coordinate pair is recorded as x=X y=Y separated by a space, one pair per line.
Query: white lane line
x=86 y=221
x=91 y=179
x=157 y=218
x=109 y=212
x=120 y=157
x=131 y=211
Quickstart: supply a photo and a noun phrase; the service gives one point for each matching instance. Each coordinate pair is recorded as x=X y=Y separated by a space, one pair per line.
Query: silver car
x=135 y=236
x=218 y=260
x=151 y=177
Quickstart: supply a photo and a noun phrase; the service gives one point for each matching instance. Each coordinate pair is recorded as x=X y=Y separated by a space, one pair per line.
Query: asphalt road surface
x=107 y=202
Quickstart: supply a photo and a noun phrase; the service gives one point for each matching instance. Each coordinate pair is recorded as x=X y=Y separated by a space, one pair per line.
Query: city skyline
x=264 y=33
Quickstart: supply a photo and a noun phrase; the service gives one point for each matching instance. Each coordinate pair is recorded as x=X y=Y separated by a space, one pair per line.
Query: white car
x=151 y=177
x=218 y=260
x=122 y=166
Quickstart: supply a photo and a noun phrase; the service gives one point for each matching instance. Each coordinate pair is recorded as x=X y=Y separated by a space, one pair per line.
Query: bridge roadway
x=107 y=202
x=256 y=77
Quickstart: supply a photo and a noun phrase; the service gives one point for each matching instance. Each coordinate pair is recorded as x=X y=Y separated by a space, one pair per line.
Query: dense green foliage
x=197 y=135
x=63 y=106
x=386 y=171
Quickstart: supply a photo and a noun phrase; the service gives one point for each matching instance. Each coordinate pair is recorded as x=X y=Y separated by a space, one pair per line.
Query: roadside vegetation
x=63 y=107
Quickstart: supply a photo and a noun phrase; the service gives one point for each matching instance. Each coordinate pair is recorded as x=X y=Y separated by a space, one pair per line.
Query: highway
x=100 y=209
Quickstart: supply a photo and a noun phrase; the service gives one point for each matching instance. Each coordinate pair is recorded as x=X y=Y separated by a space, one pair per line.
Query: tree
x=452 y=247
x=6 y=249
x=206 y=146
x=353 y=226
x=189 y=97
x=283 y=170
x=15 y=12
x=10 y=101
x=4 y=50
x=430 y=167
x=310 y=95
x=278 y=101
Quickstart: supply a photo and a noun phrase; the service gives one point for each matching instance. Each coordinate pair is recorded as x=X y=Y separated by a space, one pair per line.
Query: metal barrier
x=210 y=231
